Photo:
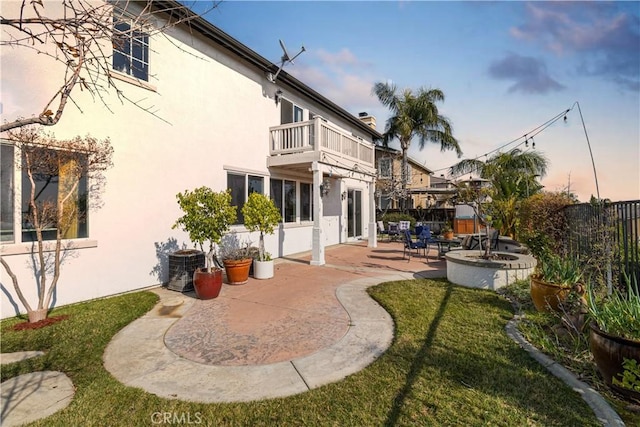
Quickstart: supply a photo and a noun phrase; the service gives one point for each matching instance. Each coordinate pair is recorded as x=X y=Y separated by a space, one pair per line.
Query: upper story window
x=290 y=113
x=384 y=168
x=130 y=47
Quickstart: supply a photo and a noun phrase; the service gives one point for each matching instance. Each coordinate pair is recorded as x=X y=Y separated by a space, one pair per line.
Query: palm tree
x=513 y=177
x=415 y=115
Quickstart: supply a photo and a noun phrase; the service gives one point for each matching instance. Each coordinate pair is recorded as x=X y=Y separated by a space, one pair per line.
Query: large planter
x=207 y=285
x=262 y=269
x=548 y=297
x=237 y=270
x=182 y=265
x=609 y=352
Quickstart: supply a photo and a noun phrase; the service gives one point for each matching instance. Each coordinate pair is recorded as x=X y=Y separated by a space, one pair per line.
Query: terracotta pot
x=237 y=270
x=448 y=235
x=548 y=296
x=609 y=352
x=207 y=285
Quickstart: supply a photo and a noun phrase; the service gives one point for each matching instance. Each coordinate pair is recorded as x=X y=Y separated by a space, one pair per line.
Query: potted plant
x=447 y=231
x=208 y=215
x=261 y=214
x=237 y=262
x=553 y=282
x=614 y=338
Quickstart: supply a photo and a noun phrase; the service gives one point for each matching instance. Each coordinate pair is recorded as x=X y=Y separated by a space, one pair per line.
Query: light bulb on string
x=533 y=143
x=526 y=143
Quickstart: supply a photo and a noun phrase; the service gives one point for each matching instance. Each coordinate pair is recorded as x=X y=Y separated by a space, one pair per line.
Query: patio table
x=445 y=245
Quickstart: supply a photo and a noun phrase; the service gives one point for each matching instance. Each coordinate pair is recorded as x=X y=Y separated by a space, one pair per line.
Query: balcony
x=316 y=140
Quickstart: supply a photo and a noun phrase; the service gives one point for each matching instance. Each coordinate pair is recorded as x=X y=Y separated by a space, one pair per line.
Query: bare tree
x=81 y=35
x=65 y=180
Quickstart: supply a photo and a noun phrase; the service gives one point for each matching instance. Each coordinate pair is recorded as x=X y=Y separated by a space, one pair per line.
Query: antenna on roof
x=283 y=60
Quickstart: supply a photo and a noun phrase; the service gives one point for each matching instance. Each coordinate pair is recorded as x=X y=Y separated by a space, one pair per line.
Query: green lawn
x=451 y=363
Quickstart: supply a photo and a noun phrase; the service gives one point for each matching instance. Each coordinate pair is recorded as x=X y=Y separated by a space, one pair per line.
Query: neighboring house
x=389 y=185
x=225 y=125
x=441 y=192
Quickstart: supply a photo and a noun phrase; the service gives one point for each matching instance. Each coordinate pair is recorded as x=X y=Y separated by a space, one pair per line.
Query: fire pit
x=468 y=268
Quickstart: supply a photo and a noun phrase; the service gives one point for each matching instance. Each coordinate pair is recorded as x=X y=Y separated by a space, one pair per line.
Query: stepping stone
x=33 y=396
x=6 y=358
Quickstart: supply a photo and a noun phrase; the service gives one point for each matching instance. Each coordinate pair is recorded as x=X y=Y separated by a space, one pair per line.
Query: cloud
x=342 y=58
x=340 y=76
x=604 y=36
x=529 y=74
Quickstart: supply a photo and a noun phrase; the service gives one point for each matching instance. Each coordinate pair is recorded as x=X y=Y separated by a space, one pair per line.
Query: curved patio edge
x=138 y=357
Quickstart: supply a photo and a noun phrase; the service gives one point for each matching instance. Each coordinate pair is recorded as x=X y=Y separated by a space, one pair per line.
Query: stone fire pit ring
x=467 y=268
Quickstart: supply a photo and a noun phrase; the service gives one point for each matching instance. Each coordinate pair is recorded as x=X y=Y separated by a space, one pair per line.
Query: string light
x=527 y=136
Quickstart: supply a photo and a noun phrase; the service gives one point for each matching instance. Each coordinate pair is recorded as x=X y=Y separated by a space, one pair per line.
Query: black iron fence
x=606 y=236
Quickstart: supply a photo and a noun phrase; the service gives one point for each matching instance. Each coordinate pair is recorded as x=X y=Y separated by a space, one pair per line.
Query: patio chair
x=404 y=225
x=382 y=230
x=393 y=231
x=492 y=240
x=426 y=238
x=410 y=245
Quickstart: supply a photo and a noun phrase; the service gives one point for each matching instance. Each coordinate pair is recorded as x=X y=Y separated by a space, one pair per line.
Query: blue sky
x=505 y=68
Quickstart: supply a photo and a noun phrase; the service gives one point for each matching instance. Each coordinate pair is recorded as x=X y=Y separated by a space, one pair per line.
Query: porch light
x=325 y=187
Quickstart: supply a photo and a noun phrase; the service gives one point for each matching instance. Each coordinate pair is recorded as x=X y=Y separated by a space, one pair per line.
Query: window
x=384 y=168
x=276 y=193
x=289 y=201
x=290 y=113
x=283 y=193
x=409 y=170
x=7 y=193
x=306 y=202
x=55 y=177
x=130 y=47
x=238 y=184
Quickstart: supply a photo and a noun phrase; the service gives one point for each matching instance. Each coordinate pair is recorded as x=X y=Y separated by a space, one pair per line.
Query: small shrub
x=630 y=375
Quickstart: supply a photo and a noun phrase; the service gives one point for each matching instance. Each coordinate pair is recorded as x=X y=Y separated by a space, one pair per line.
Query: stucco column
x=317 y=243
x=373 y=227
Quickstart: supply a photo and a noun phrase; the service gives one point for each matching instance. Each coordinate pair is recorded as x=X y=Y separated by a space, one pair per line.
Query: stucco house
x=221 y=120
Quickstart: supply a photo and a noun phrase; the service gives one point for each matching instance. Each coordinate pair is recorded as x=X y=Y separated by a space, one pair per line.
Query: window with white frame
x=290 y=113
x=130 y=46
x=7 y=193
x=241 y=185
x=306 y=202
x=284 y=195
x=53 y=178
x=384 y=168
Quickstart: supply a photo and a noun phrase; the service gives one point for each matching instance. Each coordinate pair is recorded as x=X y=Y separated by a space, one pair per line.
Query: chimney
x=367 y=119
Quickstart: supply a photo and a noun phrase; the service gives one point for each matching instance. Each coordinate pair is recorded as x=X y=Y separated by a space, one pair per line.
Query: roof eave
x=223 y=39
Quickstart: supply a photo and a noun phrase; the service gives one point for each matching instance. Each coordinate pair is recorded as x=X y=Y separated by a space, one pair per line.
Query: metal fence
x=606 y=236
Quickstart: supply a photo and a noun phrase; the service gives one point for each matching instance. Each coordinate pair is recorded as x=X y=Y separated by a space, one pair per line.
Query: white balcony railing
x=317 y=135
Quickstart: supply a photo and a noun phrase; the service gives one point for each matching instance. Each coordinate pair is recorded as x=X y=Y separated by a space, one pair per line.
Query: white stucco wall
x=217 y=113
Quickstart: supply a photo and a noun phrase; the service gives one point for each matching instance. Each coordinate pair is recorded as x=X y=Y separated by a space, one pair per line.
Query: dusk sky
x=506 y=68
